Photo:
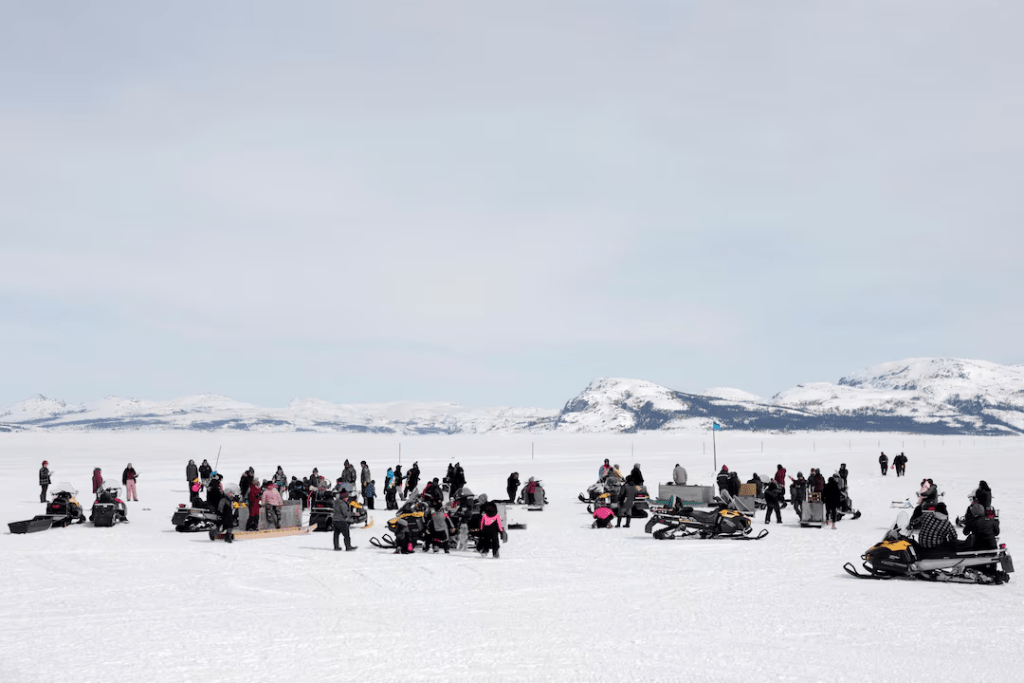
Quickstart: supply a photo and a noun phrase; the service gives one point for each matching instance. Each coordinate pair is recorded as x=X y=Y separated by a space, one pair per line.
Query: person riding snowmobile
x=929 y=493
x=935 y=530
x=981 y=528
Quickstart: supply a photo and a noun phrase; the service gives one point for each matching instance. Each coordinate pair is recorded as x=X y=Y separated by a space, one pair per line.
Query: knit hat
x=45 y=463
x=343 y=493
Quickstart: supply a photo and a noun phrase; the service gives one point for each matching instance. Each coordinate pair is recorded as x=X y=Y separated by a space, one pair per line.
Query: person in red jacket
x=254 y=507
x=780 y=477
x=97 y=480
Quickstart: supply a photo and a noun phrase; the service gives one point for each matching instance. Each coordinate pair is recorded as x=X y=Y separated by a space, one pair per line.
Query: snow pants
x=130 y=493
x=511 y=490
x=831 y=512
x=773 y=505
x=42 y=494
x=273 y=515
x=341 y=529
x=489 y=538
x=369 y=503
x=885 y=467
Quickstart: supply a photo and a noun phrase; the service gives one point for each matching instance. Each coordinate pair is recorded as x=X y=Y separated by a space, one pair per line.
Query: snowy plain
x=140 y=602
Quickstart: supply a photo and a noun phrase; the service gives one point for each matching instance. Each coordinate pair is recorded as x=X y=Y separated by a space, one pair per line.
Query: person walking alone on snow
x=128 y=478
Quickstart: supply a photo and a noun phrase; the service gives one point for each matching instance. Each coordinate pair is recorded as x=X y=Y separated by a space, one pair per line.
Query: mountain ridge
x=918 y=395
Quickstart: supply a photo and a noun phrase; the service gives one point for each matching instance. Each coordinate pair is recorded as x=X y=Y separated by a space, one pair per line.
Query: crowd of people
x=129 y=477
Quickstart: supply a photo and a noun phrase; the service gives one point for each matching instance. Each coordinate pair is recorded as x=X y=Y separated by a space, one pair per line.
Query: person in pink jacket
x=272 y=505
x=490 y=529
x=603 y=517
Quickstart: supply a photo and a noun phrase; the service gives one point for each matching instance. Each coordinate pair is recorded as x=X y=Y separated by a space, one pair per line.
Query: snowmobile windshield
x=63 y=487
x=899 y=528
x=231 y=489
x=114 y=487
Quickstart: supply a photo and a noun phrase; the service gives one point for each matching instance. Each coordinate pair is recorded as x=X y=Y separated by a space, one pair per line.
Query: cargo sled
x=62 y=510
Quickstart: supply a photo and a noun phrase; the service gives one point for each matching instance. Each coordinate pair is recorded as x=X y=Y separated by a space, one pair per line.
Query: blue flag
x=717 y=427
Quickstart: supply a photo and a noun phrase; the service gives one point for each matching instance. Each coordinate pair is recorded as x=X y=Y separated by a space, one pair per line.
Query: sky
x=494 y=204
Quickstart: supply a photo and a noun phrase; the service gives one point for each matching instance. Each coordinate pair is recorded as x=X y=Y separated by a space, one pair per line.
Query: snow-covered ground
x=140 y=602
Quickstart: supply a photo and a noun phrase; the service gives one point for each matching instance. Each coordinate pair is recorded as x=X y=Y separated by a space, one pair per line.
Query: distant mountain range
x=922 y=396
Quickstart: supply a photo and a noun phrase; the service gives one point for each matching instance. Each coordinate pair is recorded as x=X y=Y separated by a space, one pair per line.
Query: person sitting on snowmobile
x=635 y=474
x=981 y=528
x=798 y=493
x=723 y=479
x=935 y=530
x=603 y=516
x=604 y=470
x=439 y=530
x=214 y=492
x=432 y=493
x=194 y=499
x=983 y=494
x=679 y=475
x=929 y=493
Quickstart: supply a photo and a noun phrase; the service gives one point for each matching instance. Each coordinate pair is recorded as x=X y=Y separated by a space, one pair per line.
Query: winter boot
x=351 y=547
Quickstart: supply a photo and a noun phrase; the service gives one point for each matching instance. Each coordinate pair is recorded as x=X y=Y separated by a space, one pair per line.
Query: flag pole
x=714 y=447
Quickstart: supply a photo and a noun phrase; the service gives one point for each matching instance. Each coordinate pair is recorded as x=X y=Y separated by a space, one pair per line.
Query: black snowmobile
x=899 y=556
x=62 y=510
x=108 y=509
x=321 y=511
x=196 y=518
x=608 y=491
x=684 y=521
x=411 y=518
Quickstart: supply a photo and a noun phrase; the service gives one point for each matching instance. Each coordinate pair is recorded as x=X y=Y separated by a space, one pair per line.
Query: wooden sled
x=263 y=533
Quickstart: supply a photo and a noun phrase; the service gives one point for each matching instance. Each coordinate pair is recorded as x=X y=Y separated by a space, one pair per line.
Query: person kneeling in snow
x=603 y=517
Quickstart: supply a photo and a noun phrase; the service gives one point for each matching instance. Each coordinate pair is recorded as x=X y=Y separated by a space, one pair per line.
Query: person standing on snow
x=364 y=477
x=798 y=493
x=512 y=485
x=636 y=475
x=280 y=479
x=900 y=463
x=253 y=497
x=723 y=479
x=883 y=462
x=679 y=475
x=44 y=480
x=627 y=496
x=342 y=518
x=844 y=474
x=832 y=497
x=191 y=472
x=205 y=471
x=773 y=495
x=128 y=478
x=413 y=479
x=491 y=529
x=97 y=480
x=370 y=493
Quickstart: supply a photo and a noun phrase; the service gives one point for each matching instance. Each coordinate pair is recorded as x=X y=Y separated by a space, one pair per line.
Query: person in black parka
x=883 y=462
x=512 y=486
x=734 y=484
x=191 y=471
x=832 y=497
x=984 y=494
x=773 y=495
x=723 y=479
x=227 y=518
x=638 y=478
x=627 y=495
x=44 y=481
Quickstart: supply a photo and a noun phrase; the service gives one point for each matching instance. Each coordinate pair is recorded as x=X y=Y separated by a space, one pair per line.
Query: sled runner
x=263 y=533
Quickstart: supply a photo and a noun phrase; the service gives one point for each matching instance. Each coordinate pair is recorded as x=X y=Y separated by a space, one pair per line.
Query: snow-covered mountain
x=924 y=395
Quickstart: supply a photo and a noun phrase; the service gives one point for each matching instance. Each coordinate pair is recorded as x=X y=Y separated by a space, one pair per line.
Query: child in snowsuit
x=369 y=493
x=603 y=517
x=227 y=519
x=491 y=529
x=403 y=538
x=439 y=531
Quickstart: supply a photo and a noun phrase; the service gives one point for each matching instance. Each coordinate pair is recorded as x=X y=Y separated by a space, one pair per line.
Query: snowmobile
x=538 y=500
x=187 y=519
x=321 y=511
x=684 y=521
x=846 y=507
x=412 y=515
x=62 y=510
x=608 y=491
x=108 y=509
x=899 y=556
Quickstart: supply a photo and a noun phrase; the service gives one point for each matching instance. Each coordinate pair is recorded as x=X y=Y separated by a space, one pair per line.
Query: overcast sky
x=495 y=205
